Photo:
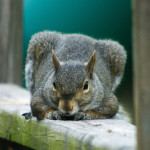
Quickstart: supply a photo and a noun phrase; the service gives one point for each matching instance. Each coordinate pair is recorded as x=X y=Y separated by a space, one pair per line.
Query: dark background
x=99 y=19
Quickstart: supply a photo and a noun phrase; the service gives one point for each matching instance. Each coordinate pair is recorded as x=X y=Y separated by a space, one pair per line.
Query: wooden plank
x=141 y=62
x=11 y=41
x=56 y=134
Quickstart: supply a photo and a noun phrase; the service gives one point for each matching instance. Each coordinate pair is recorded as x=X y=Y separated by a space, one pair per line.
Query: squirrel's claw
x=27 y=115
x=80 y=116
x=54 y=116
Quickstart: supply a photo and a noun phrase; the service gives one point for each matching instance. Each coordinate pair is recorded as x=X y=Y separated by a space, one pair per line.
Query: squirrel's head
x=72 y=84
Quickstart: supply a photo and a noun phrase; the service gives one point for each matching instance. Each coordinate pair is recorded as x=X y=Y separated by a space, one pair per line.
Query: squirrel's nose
x=67 y=110
x=66 y=106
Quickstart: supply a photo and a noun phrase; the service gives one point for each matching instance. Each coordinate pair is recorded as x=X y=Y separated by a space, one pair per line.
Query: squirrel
x=73 y=76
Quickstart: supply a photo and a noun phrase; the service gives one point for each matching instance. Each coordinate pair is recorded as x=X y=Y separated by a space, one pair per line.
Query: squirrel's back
x=73 y=48
x=73 y=74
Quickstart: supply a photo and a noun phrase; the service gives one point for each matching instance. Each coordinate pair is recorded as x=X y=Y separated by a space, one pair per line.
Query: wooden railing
x=55 y=134
x=100 y=133
x=11 y=41
x=141 y=69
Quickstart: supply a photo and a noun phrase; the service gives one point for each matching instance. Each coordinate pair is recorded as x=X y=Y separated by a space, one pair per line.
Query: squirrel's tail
x=39 y=44
x=29 y=75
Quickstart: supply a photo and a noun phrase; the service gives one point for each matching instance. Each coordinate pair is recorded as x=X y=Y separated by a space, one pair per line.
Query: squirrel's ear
x=90 y=64
x=56 y=62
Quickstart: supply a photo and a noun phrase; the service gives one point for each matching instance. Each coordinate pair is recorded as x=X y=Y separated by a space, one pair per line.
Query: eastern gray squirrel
x=73 y=76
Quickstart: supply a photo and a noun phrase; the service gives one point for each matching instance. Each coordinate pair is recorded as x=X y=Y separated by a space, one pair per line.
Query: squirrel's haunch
x=72 y=76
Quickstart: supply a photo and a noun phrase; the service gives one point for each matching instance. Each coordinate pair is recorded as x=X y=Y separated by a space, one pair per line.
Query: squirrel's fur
x=73 y=76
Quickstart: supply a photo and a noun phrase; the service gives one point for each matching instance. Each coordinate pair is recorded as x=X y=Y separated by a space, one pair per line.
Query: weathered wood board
x=11 y=41
x=59 y=135
x=141 y=70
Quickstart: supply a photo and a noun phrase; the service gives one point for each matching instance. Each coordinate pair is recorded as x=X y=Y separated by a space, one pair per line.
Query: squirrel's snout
x=68 y=107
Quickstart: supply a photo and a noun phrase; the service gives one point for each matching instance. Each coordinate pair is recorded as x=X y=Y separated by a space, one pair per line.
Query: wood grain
x=57 y=134
x=11 y=41
x=141 y=65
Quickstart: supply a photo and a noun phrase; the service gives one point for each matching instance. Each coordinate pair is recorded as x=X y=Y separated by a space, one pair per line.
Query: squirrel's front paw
x=27 y=115
x=80 y=116
x=54 y=116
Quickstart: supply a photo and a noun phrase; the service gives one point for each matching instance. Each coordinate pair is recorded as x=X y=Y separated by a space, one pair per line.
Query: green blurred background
x=99 y=19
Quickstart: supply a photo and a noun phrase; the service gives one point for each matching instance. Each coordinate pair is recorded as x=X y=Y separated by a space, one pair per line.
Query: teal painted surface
x=100 y=19
x=97 y=18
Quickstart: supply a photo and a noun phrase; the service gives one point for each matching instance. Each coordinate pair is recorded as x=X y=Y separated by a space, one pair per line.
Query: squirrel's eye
x=86 y=85
x=54 y=85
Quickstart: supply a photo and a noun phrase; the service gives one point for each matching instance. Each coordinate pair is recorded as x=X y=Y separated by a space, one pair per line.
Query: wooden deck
x=56 y=134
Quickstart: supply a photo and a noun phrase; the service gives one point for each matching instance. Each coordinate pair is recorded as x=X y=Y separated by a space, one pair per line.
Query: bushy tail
x=39 y=43
x=29 y=75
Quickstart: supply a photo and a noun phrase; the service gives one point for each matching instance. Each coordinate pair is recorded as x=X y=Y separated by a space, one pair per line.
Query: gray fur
x=29 y=74
x=73 y=51
x=116 y=82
